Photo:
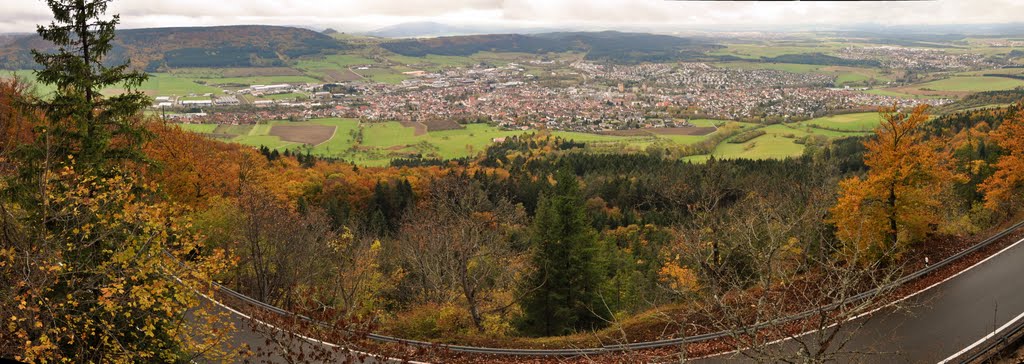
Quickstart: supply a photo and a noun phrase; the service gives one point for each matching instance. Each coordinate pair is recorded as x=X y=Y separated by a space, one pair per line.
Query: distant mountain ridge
x=221 y=46
x=434 y=29
x=606 y=45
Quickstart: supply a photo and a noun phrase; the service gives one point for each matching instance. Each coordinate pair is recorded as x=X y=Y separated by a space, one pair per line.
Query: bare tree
x=459 y=242
x=774 y=265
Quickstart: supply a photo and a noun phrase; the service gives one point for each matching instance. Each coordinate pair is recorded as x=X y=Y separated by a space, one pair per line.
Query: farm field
x=972 y=84
x=778 y=142
x=376 y=144
x=903 y=92
x=857 y=122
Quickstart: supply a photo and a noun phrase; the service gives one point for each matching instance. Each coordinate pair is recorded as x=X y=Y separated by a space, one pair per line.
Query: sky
x=365 y=15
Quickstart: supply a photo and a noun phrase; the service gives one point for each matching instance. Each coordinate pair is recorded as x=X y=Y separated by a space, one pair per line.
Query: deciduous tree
x=1004 y=186
x=898 y=201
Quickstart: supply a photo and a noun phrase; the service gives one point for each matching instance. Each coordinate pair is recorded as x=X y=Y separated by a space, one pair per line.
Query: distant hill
x=433 y=29
x=224 y=46
x=608 y=46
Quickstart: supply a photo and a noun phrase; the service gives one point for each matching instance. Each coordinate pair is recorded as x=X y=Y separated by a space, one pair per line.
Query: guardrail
x=639 y=345
x=990 y=345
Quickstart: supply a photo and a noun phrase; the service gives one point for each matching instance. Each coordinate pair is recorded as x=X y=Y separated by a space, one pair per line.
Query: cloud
x=360 y=15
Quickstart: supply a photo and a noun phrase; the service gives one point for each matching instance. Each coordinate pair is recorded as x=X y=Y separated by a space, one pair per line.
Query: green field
x=382 y=75
x=857 y=122
x=778 y=142
x=972 y=84
x=384 y=141
x=286 y=96
x=199 y=128
x=885 y=92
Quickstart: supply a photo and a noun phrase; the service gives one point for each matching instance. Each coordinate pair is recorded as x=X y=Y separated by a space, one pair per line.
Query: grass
x=777 y=143
x=199 y=128
x=286 y=96
x=862 y=122
x=384 y=141
x=886 y=92
x=165 y=84
x=382 y=75
x=973 y=84
x=261 y=80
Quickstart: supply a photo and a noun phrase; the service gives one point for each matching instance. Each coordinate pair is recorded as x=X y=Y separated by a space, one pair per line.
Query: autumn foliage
x=898 y=201
x=1005 y=184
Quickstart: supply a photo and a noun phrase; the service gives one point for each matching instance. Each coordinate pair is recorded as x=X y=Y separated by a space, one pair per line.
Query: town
x=580 y=96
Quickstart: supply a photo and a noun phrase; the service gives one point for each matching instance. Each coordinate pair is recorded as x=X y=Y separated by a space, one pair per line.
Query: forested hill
x=223 y=46
x=610 y=45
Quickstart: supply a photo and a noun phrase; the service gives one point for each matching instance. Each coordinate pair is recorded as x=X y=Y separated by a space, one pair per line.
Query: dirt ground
x=420 y=128
x=435 y=125
x=306 y=134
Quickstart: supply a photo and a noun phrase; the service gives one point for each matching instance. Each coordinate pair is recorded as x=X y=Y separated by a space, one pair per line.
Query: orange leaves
x=678 y=278
x=898 y=201
x=1001 y=187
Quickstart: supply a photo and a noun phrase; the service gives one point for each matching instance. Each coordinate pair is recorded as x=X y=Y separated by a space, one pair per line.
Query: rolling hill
x=608 y=45
x=223 y=46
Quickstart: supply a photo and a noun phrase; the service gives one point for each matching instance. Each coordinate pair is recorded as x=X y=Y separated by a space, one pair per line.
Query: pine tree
x=563 y=294
x=83 y=122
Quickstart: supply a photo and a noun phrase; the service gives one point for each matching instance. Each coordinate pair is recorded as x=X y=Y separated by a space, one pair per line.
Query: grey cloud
x=357 y=15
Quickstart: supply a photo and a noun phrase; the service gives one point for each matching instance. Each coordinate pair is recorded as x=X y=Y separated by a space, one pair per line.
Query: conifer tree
x=83 y=122
x=563 y=294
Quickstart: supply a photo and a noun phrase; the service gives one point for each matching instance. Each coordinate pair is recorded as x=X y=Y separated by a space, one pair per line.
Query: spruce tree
x=563 y=294
x=84 y=122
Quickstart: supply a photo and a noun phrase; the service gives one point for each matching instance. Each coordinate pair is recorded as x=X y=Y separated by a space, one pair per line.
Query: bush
x=432 y=320
x=746 y=136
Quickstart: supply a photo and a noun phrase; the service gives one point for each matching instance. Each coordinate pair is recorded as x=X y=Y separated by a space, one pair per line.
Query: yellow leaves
x=678 y=278
x=1009 y=175
x=906 y=176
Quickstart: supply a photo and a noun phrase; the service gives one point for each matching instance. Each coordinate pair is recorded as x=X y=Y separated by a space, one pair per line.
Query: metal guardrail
x=996 y=343
x=640 y=345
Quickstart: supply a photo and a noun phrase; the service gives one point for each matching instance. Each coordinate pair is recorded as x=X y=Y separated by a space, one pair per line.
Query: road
x=940 y=321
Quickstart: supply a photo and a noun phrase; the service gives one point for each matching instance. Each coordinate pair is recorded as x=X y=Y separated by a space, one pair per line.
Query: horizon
x=525 y=15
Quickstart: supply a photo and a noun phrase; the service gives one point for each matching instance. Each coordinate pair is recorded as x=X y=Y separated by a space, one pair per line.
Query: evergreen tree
x=563 y=294
x=83 y=122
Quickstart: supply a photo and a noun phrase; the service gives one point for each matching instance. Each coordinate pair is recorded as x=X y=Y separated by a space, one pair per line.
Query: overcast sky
x=363 y=15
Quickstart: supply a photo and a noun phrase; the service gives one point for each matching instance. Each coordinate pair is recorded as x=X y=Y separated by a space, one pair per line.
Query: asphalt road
x=937 y=323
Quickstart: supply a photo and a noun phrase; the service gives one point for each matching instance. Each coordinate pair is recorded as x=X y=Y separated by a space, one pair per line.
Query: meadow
x=377 y=143
x=972 y=84
x=856 y=122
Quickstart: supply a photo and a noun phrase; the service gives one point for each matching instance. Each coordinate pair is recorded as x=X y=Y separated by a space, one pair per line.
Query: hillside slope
x=223 y=46
x=606 y=46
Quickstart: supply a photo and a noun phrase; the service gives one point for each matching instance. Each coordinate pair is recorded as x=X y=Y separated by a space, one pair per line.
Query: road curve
x=940 y=321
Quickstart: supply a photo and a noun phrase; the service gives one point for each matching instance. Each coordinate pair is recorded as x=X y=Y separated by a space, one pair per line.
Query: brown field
x=437 y=125
x=702 y=130
x=419 y=128
x=340 y=75
x=261 y=71
x=306 y=134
